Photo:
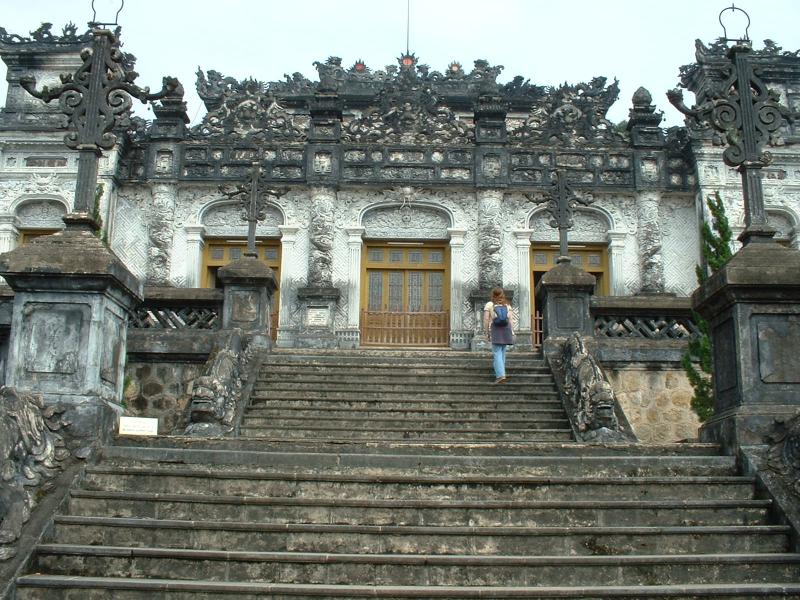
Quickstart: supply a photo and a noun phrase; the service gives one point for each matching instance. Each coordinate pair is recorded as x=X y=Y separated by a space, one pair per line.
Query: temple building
x=395 y=198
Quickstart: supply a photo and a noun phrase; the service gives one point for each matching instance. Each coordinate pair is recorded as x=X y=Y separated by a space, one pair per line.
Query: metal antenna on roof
x=408 y=25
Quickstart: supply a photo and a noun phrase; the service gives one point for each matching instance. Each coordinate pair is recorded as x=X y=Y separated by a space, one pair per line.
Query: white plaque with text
x=318 y=317
x=138 y=426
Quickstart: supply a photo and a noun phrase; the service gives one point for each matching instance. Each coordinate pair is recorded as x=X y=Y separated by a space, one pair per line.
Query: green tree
x=716 y=240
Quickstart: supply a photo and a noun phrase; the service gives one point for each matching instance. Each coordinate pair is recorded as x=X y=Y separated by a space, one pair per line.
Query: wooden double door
x=405 y=294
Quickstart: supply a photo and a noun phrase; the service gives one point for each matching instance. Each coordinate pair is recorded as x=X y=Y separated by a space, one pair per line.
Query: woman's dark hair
x=498 y=296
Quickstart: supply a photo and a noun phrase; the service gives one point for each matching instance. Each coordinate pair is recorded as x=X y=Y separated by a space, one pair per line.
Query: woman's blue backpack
x=500 y=315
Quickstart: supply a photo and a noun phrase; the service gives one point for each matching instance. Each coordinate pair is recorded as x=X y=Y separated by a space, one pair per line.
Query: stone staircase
x=409 y=475
x=434 y=396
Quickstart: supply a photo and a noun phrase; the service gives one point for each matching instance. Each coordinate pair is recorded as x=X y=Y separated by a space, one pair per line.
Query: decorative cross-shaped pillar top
x=561 y=202
x=253 y=202
x=94 y=98
x=747 y=113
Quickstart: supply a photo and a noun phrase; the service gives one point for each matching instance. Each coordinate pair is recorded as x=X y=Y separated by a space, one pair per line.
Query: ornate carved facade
x=403 y=157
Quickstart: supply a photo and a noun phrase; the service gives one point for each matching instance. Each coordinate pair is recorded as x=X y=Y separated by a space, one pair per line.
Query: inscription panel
x=778 y=343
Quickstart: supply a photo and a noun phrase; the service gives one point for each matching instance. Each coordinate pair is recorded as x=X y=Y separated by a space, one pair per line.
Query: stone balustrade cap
x=247 y=270
x=76 y=255
x=566 y=274
x=759 y=271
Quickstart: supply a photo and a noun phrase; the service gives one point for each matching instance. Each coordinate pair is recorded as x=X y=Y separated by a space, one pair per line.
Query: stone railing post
x=563 y=295
x=753 y=308
x=249 y=285
x=69 y=327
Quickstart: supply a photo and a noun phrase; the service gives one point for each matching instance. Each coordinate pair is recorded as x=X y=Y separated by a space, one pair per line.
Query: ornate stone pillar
x=9 y=232
x=616 y=262
x=194 y=254
x=160 y=232
x=490 y=260
x=459 y=337
x=320 y=228
x=649 y=238
x=285 y=337
x=522 y=239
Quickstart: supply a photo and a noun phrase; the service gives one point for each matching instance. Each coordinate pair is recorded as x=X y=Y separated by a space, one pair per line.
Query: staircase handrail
x=593 y=409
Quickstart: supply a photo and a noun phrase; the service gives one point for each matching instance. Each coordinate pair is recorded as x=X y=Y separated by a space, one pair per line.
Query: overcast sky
x=640 y=42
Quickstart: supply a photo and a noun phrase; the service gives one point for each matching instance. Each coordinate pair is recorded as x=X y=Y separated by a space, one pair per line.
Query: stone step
x=290 y=410
x=220 y=460
x=409 y=388
x=68 y=587
x=388 y=374
x=356 y=402
x=423 y=360
x=506 y=450
x=437 y=570
x=498 y=394
x=418 y=512
x=440 y=434
x=393 y=539
x=466 y=426
x=415 y=486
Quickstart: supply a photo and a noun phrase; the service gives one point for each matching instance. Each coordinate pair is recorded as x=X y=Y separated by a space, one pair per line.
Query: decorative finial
x=743 y=40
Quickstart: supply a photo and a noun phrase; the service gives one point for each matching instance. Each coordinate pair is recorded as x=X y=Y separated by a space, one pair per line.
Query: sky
x=640 y=42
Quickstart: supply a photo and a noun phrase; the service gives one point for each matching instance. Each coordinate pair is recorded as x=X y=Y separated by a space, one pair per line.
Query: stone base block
x=461 y=340
x=745 y=426
x=90 y=420
x=324 y=339
x=286 y=337
x=349 y=339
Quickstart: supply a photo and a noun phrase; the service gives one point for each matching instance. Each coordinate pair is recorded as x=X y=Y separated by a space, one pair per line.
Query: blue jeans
x=499 y=360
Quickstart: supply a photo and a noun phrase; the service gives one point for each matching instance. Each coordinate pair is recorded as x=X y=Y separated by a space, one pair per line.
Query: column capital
x=9 y=222
x=456 y=236
x=522 y=236
x=288 y=233
x=616 y=239
x=354 y=234
x=194 y=233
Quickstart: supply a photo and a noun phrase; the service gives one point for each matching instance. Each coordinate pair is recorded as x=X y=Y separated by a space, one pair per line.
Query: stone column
x=320 y=228
x=649 y=238
x=9 y=232
x=490 y=259
x=752 y=305
x=69 y=327
x=195 y=243
x=459 y=337
x=616 y=262
x=522 y=238
x=354 y=245
x=285 y=337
